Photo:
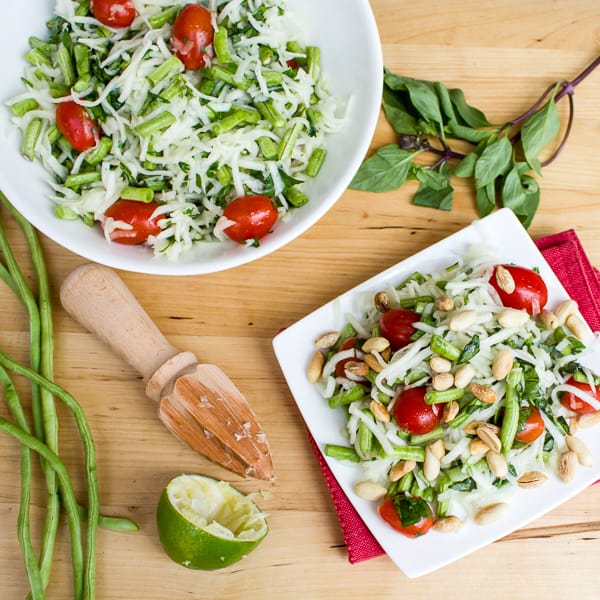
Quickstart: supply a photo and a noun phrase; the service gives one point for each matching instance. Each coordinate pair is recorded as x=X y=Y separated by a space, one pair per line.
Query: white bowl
x=352 y=65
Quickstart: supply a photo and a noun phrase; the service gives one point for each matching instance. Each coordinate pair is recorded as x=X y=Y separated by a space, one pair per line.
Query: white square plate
x=294 y=348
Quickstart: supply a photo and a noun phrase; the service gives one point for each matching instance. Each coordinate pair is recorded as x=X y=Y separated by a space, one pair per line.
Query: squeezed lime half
x=204 y=523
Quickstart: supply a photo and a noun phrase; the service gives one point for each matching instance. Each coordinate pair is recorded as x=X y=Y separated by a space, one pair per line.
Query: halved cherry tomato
x=252 y=216
x=136 y=214
x=530 y=291
x=396 y=325
x=410 y=515
x=413 y=414
x=192 y=36
x=76 y=124
x=576 y=404
x=532 y=428
x=114 y=13
x=340 y=365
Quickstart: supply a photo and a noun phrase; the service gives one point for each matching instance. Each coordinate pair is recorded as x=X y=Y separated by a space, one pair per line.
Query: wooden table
x=503 y=54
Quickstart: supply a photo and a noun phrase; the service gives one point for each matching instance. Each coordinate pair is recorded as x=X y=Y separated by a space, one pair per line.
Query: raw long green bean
x=43 y=351
x=32 y=567
x=68 y=498
x=90 y=464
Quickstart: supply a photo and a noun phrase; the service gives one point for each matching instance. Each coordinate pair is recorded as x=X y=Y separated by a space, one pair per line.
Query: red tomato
x=114 y=13
x=576 y=404
x=345 y=345
x=253 y=217
x=76 y=124
x=530 y=291
x=193 y=35
x=532 y=428
x=136 y=214
x=396 y=325
x=413 y=414
x=409 y=515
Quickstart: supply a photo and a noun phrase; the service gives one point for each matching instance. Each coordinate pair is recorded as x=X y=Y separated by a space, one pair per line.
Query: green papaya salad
x=459 y=387
x=174 y=125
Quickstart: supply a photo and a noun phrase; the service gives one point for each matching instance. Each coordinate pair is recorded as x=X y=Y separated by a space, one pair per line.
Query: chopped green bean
x=443 y=396
x=144 y=195
x=295 y=197
x=221 y=45
x=31 y=137
x=23 y=106
x=267 y=147
x=270 y=113
x=98 y=154
x=166 y=69
x=288 y=141
x=347 y=396
x=444 y=348
x=341 y=452
x=75 y=181
x=166 y=16
x=156 y=124
x=65 y=64
x=315 y=162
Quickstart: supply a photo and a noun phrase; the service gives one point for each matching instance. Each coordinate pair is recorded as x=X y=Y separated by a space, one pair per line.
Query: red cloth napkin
x=564 y=253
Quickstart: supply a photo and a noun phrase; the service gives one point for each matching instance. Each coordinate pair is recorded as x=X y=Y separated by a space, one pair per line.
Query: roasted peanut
x=368 y=490
x=451 y=409
x=511 y=317
x=532 y=479
x=505 y=280
x=502 y=363
x=382 y=301
x=448 y=524
x=380 y=412
x=584 y=456
x=400 y=469
x=462 y=319
x=442 y=381
x=490 y=513
x=444 y=302
x=327 y=340
x=376 y=344
x=463 y=375
x=315 y=367
x=439 y=364
x=483 y=392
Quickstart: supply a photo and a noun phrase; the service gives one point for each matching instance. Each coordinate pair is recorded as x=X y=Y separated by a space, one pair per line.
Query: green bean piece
x=288 y=141
x=169 y=67
x=237 y=118
x=443 y=396
x=175 y=89
x=37 y=58
x=345 y=397
x=267 y=147
x=162 y=18
x=77 y=180
x=228 y=76
x=315 y=162
x=224 y=176
x=22 y=107
x=144 y=195
x=412 y=302
x=36 y=43
x=156 y=124
x=32 y=567
x=98 y=154
x=510 y=420
x=81 y=54
x=364 y=436
x=265 y=55
x=31 y=137
x=416 y=453
x=295 y=197
x=65 y=64
x=430 y=436
x=341 y=452
x=61 y=211
x=221 y=45
x=272 y=78
x=270 y=113
x=313 y=57
x=444 y=348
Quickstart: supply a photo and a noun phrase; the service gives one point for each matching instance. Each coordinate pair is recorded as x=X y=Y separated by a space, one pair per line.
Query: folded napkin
x=564 y=253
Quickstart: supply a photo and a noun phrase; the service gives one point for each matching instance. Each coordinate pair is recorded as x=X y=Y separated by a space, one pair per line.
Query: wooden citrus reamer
x=197 y=402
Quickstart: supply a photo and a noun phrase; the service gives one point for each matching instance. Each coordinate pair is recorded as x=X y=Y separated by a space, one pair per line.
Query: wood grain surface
x=503 y=54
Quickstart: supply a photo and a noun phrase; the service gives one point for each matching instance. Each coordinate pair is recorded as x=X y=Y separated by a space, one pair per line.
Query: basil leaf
x=422 y=97
x=469 y=351
x=434 y=178
x=528 y=209
x=471 y=116
x=486 y=199
x=466 y=167
x=513 y=192
x=445 y=102
x=410 y=509
x=434 y=197
x=384 y=171
x=494 y=161
x=467 y=133
x=538 y=131
x=398 y=113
